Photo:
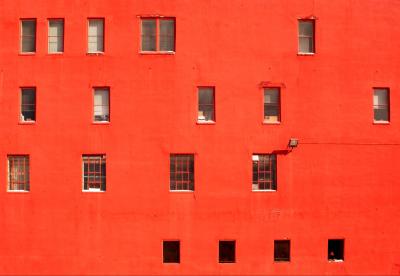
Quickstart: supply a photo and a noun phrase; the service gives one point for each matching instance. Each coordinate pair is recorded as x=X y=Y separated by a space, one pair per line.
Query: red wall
x=341 y=182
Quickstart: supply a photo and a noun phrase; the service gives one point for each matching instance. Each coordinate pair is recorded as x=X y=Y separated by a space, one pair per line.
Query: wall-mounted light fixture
x=293 y=142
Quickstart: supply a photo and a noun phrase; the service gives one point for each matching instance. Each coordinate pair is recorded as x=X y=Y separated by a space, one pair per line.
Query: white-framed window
x=272 y=105
x=306 y=36
x=95 y=35
x=381 y=105
x=157 y=34
x=56 y=36
x=101 y=108
x=94 y=172
x=28 y=35
x=206 y=106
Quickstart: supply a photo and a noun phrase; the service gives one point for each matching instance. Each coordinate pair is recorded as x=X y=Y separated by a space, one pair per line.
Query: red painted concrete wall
x=342 y=180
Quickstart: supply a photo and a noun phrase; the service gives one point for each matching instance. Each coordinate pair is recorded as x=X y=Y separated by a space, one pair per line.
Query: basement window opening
x=171 y=252
x=227 y=251
x=336 y=250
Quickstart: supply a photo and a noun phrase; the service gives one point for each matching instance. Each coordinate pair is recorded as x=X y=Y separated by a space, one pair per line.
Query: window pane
x=306 y=36
x=167 y=35
x=18 y=173
x=96 y=35
x=56 y=36
x=380 y=97
x=28 y=36
x=206 y=107
x=282 y=251
x=206 y=95
x=381 y=104
x=271 y=95
x=148 y=35
x=306 y=28
x=306 y=45
x=28 y=104
x=101 y=105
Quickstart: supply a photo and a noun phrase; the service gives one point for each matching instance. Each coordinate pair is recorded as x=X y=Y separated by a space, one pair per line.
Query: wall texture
x=341 y=182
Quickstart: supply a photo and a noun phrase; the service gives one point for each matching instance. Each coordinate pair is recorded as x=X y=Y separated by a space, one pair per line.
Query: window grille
x=272 y=104
x=18 y=173
x=264 y=172
x=182 y=172
x=94 y=172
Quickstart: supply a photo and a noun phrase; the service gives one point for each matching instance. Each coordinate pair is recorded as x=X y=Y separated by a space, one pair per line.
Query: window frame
x=93 y=105
x=26 y=183
x=313 y=21
x=163 y=252
x=101 y=157
x=279 y=105
x=20 y=121
x=282 y=260
x=192 y=155
x=157 y=19
x=88 y=52
x=381 y=122
x=21 y=52
x=48 y=36
x=274 y=182
x=210 y=122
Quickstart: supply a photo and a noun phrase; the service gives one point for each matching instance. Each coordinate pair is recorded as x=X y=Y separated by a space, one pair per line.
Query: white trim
x=264 y=191
x=182 y=191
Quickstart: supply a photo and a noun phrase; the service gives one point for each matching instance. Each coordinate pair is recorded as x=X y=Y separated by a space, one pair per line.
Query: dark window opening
x=272 y=109
x=171 y=252
x=264 y=172
x=18 y=173
x=206 y=112
x=28 y=104
x=282 y=251
x=227 y=252
x=336 y=250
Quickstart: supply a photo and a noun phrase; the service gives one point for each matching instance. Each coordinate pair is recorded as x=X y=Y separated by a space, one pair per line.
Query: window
x=206 y=111
x=306 y=37
x=96 y=36
x=18 y=173
x=28 y=104
x=101 y=105
x=264 y=172
x=381 y=105
x=171 y=252
x=182 y=172
x=336 y=250
x=94 y=172
x=272 y=108
x=227 y=251
x=282 y=251
x=56 y=35
x=158 y=34
x=28 y=35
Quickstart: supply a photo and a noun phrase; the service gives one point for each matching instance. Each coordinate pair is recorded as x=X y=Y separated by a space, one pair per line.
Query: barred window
x=264 y=172
x=28 y=104
x=182 y=172
x=206 y=112
x=28 y=35
x=56 y=36
x=272 y=105
x=94 y=172
x=18 y=173
x=158 y=34
x=101 y=105
x=306 y=36
x=381 y=105
x=96 y=36
x=282 y=250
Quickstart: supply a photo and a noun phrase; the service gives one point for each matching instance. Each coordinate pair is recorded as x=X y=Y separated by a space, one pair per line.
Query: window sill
x=27 y=122
x=101 y=123
x=55 y=54
x=93 y=191
x=381 y=123
x=281 y=262
x=336 y=261
x=264 y=191
x=271 y=123
x=18 y=191
x=205 y=122
x=305 y=54
x=27 y=53
x=181 y=191
x=95 y=54
x=157 y=52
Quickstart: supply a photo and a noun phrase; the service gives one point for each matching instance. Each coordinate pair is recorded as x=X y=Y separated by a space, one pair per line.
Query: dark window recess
x=282 y=251
x=28 y=104
x=306 y=37
x=227 y=251
x=94 y=172
x=264 y=172
x=206 y=104
x=182 y=172
x=336 y=250
x=28 y=35
x=171 y=252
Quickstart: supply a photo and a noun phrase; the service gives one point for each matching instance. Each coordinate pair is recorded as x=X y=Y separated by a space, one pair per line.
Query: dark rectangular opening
x=282 y=251
x=171 y=252
x=336 y=250
x=227 y=251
